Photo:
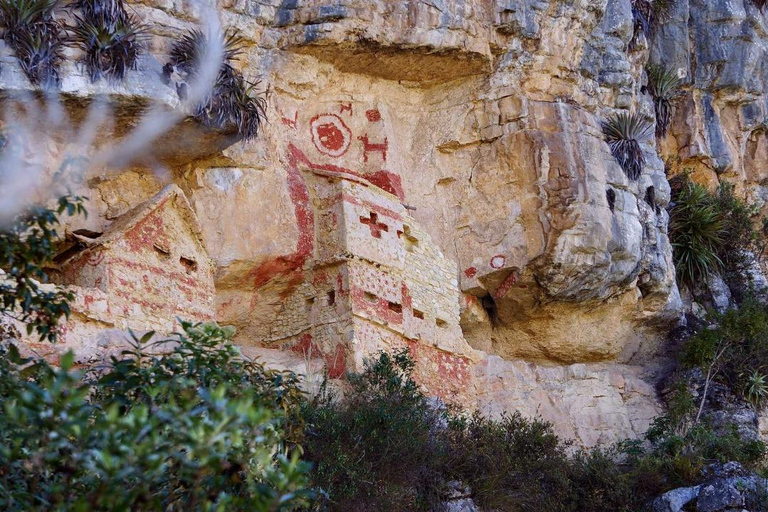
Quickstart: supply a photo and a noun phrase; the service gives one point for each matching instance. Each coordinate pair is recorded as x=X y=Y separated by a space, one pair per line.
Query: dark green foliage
x=740 y=240
x=233 y=101
x=193 y=429
x=696 y=231
x=624 y=132
x=27 y=245
x=109 y=36
x=678 y=448
x=711 y=232
x=663 y=84
x=742 y=337
x=36 y=37
x=375 y=449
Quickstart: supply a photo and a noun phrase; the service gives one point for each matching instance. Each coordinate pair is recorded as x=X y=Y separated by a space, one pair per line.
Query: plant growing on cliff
x=36 y=38
x=233 y=101
x=663 y=85
x=624 y=132
x=735 y=351
x=712 y=231
x=696 y=231
x=647 y=15
x=760 y=4
x=27 y=245
x=109 y=36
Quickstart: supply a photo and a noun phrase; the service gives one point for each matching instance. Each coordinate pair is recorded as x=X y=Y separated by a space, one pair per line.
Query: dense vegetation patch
x=711 y=232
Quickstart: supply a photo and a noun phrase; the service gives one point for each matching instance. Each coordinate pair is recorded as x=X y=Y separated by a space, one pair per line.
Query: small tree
x=26 y=247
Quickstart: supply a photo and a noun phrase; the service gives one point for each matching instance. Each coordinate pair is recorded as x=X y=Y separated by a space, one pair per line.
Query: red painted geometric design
x=375 y=226
x=369 y=147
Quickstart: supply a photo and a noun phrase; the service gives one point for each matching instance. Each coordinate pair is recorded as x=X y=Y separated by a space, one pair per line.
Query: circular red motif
x=498 y=261
x=330 y=135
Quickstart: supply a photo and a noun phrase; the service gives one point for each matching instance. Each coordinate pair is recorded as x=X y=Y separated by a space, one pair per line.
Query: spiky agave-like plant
x=696 y=232
x=93 y=9
x=188 y=51
x=233 y=101
x=624 y=132
x=35 y=36
x=111 y=46
x=663 y=85
x=40 y=52
x=17 y=15
x=647 y=15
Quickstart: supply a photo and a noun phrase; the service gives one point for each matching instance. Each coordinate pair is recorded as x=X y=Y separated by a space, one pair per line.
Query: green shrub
x=624 y=132
x=696 y=230
x=511 y=464
x=711 y=232
x=193 y=429
x=377 y=448
x=740 y=238
x=27 y=246
x=741 y=337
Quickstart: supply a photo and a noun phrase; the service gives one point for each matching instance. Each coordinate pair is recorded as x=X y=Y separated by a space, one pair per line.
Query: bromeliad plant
x=110 y=37
x=663 y=85
x=232 y=101
x=188 y=52
x=696 y=231
x=36 y=37
x=624 y=132
x=647 y=15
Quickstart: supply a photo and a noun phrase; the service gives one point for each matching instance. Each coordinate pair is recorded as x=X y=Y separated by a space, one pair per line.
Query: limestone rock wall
x=434 y=175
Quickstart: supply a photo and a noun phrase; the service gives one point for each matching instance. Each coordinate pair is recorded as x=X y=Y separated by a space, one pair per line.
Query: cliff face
x=434 y=174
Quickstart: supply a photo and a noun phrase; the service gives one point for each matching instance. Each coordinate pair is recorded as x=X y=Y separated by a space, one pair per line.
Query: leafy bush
x=740 y=240
x=734 y=350
x=375 y=450
x=192 y=429
x=624 y=132
x=36 y=37
x=663 y=85
x=696 y=231
x=27 y=245
x=233 y=101
x=109 y=36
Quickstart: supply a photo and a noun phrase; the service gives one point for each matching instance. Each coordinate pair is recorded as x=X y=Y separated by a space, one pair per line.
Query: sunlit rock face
x=434 y=175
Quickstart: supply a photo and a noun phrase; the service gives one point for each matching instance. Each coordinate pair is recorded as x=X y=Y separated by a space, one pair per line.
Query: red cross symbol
x=374 y=224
